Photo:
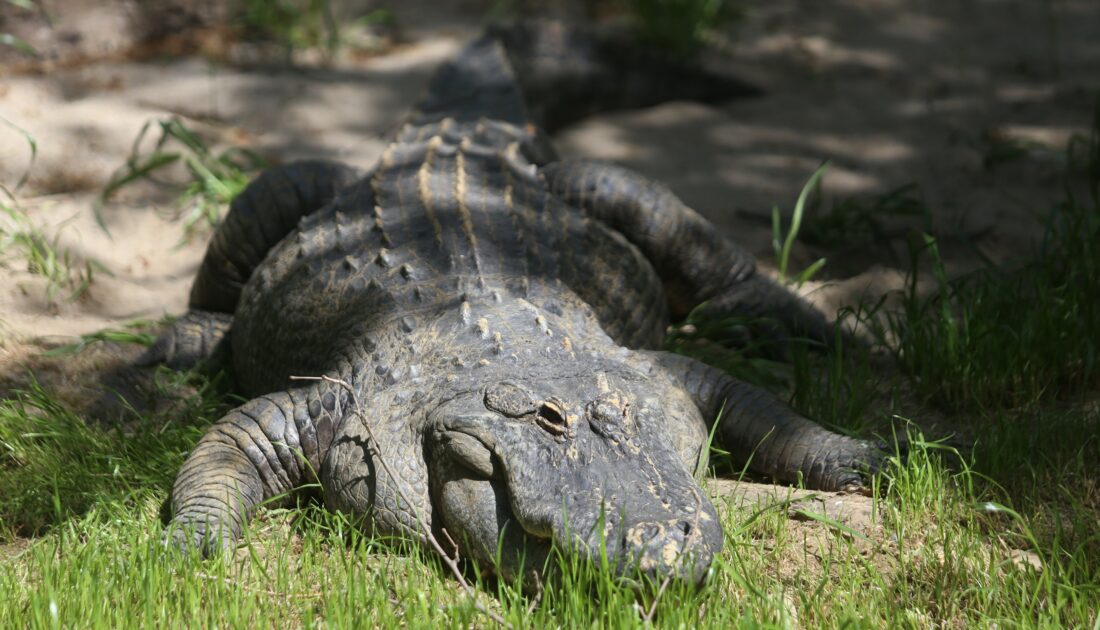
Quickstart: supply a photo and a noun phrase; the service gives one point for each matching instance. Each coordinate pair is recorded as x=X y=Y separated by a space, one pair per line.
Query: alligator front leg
x=760 y=430
x=191 y=339
x=262 y=450
x=188 y=341
x=696 y=263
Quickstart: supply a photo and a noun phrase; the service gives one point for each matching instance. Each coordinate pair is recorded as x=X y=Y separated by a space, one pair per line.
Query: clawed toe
x=191 y=538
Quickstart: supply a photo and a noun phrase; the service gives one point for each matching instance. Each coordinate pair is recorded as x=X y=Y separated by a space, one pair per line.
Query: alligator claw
x=852 y=467
x=191 y=538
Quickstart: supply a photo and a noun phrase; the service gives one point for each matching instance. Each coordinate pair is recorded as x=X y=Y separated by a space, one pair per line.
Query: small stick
x=450 y=540
x=450 y=562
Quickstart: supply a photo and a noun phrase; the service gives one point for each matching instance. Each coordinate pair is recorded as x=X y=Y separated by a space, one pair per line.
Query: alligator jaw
x=469 y=451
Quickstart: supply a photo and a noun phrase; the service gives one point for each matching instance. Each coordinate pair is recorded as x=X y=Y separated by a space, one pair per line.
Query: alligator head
x=571 y=462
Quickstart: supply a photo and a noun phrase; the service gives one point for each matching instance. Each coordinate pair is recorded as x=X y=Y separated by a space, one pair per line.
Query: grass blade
x=30 y=142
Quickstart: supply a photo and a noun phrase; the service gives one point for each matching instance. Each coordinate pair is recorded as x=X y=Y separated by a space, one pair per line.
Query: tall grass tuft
x=56 y=466
x=1008 y=338
x=213 y=179
x=677 y=26
x=26 y=243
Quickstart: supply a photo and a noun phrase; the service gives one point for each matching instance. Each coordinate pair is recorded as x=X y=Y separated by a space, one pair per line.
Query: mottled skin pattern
x=495 y=314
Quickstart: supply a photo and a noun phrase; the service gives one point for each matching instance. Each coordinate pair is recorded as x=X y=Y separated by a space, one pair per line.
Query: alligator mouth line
x=471 y=452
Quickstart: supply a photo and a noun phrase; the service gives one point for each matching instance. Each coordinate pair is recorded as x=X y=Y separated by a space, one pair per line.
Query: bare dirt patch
x=822 y=524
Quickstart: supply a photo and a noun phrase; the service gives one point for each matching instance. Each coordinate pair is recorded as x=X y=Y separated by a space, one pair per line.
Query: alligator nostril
x=685 y=527
x=642 y=535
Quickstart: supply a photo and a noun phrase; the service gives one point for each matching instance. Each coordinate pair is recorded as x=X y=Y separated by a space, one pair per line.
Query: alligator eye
x=551 y=417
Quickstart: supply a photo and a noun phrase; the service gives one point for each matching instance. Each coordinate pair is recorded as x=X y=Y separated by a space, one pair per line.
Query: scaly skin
x=495 y=315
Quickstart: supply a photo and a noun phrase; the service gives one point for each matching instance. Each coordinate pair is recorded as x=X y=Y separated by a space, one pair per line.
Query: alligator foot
x=134 y=387
x=763 y=432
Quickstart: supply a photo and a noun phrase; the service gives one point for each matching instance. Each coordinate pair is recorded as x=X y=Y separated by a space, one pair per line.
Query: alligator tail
x=477 y=83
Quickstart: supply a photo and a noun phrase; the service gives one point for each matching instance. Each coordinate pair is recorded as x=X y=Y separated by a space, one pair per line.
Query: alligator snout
x=674 y=547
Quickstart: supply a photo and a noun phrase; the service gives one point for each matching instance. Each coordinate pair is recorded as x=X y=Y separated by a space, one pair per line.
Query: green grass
x=858 y=222
x=26 y=244
x=11 y=41
x=133 y=332
x=678 y=26
x=783 y=243
x=92 y=498
x=306 y=24
x=1007 y=338
x=1014 y=337
x=212 y=179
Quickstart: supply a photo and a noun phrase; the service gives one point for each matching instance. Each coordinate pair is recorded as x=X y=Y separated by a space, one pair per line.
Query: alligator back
x=454 y=211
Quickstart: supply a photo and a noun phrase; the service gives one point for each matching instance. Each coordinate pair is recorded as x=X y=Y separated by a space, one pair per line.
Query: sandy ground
x=892 y=92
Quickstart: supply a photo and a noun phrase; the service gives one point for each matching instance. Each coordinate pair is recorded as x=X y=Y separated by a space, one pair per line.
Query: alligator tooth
x=544 y=326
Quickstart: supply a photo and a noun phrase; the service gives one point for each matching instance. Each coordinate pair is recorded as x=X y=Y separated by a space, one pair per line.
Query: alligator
x=482 y=322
